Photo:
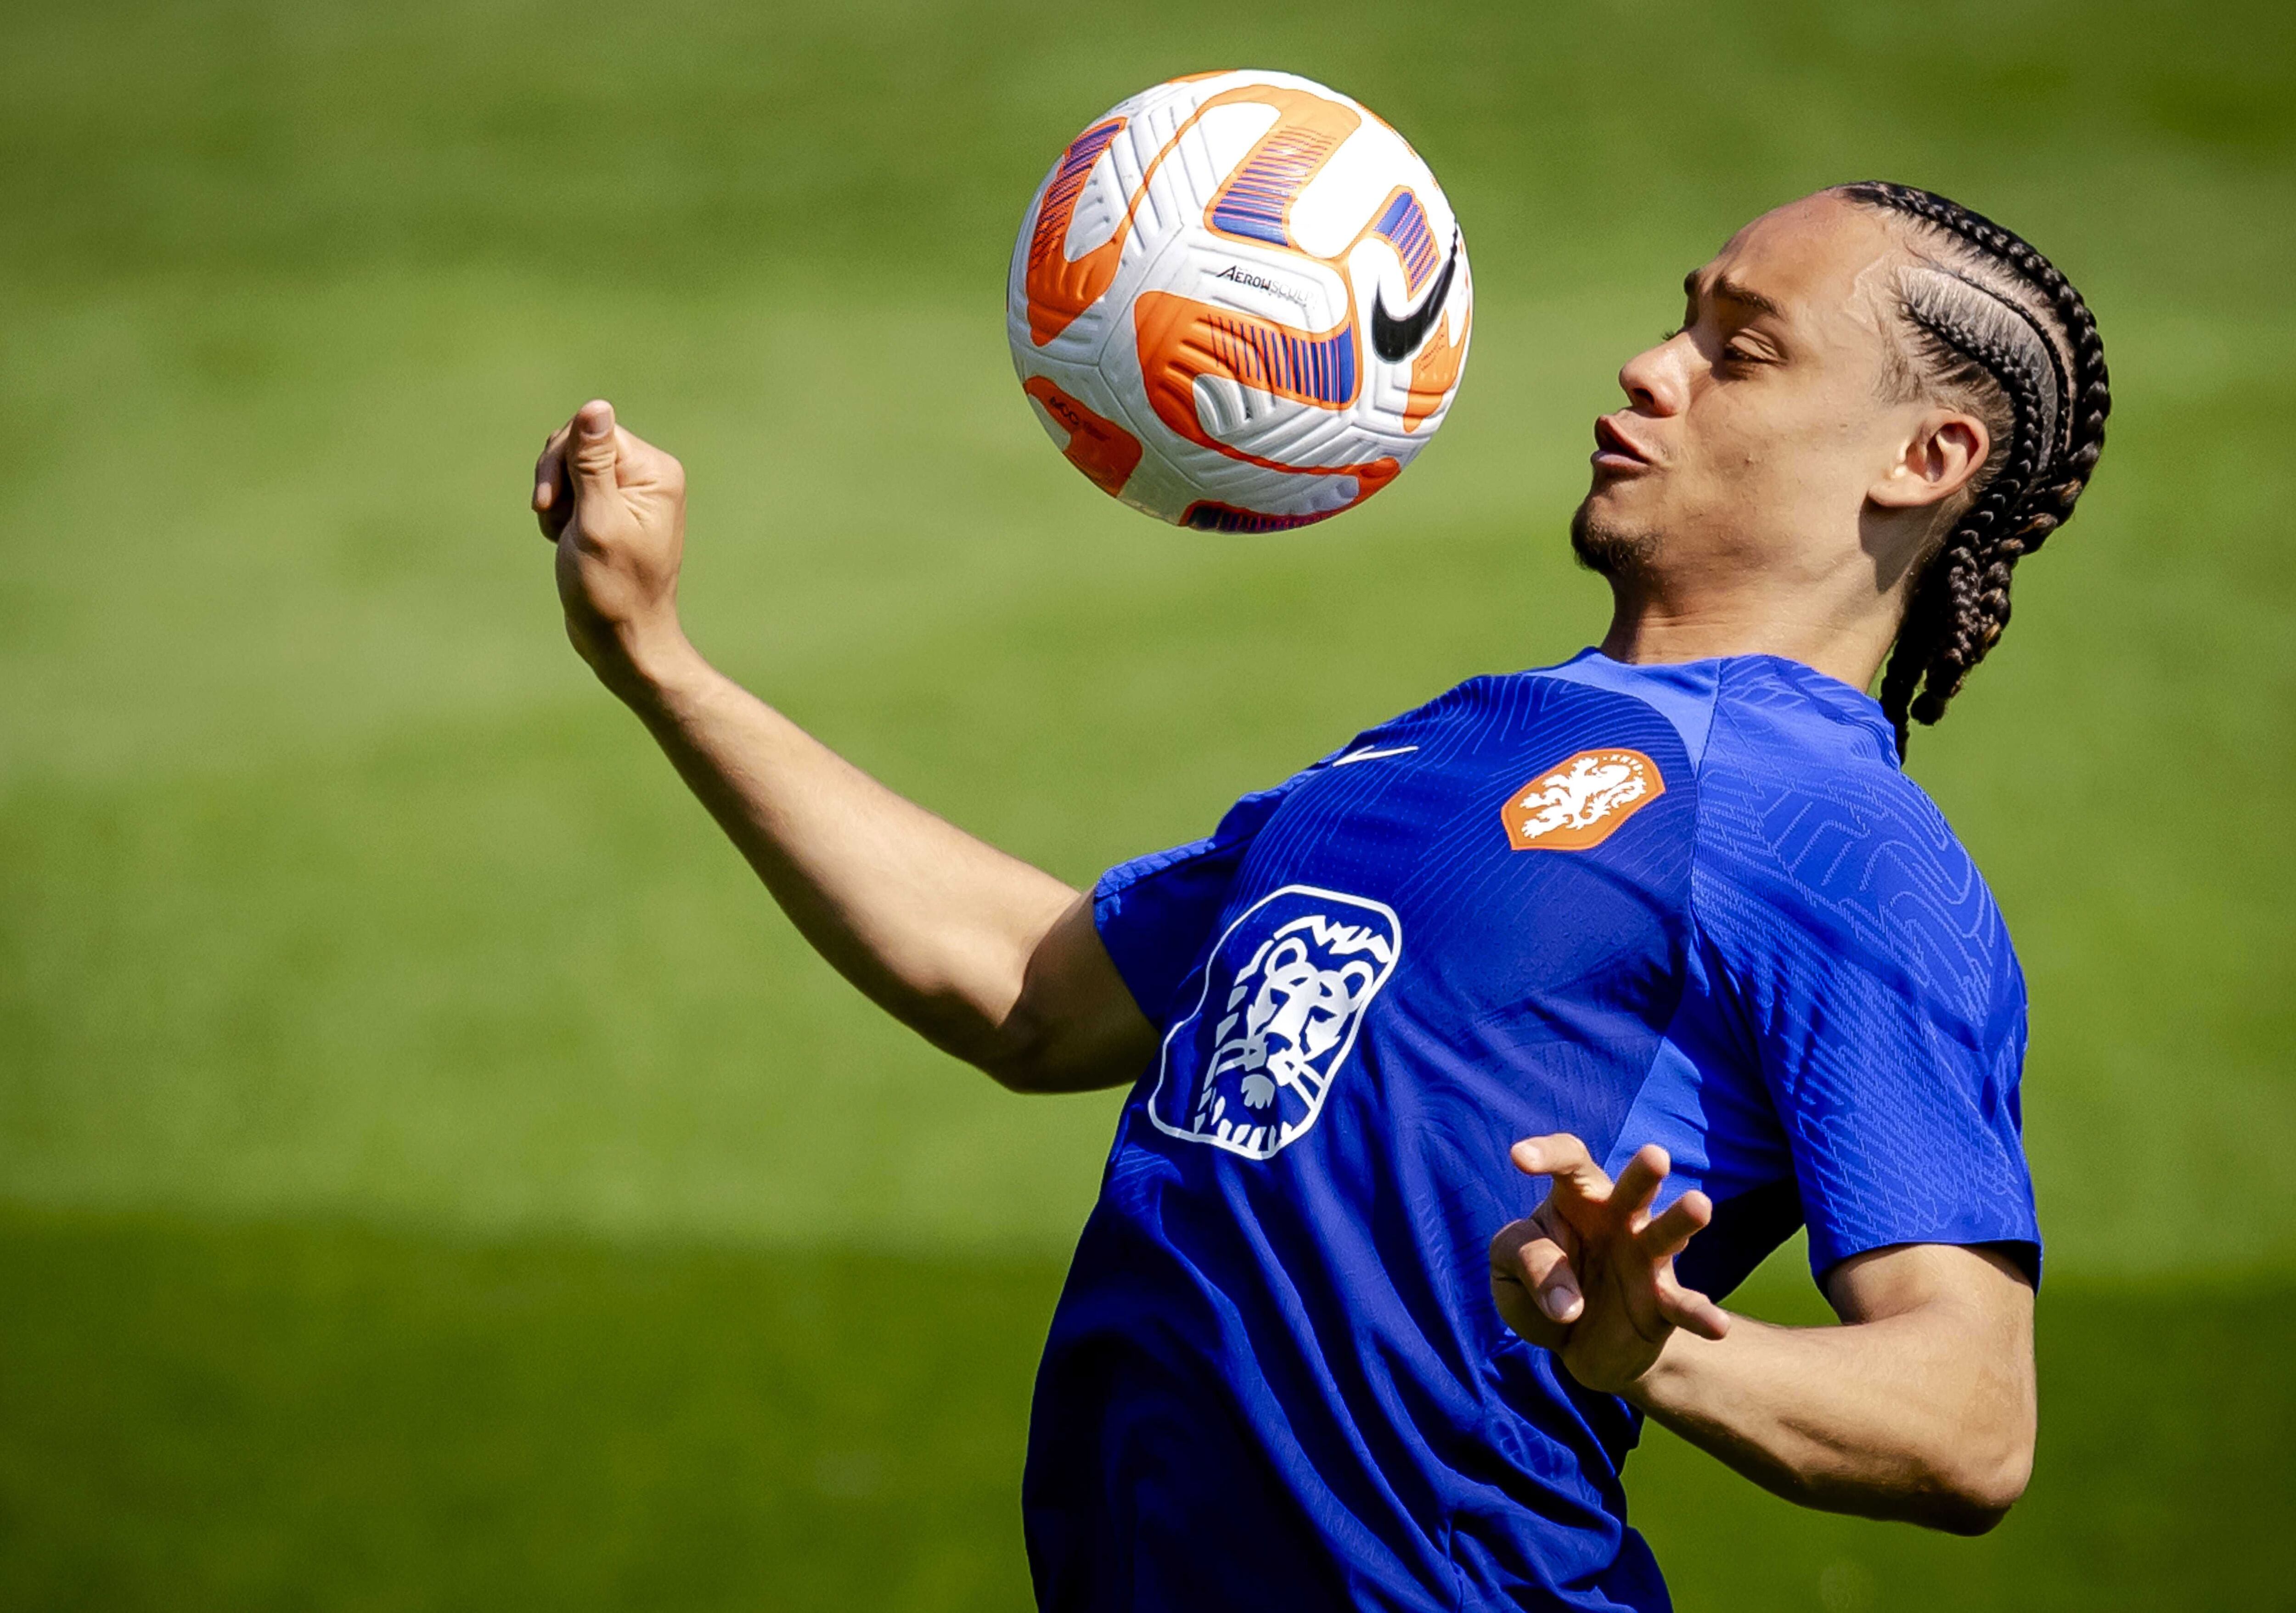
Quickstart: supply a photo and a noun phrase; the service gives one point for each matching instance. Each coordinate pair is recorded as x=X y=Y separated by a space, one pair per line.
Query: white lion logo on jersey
x=1283 y=995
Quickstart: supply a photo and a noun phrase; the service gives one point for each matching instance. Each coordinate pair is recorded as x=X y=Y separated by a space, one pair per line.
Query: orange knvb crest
x=1098 y=447
x=1582 y=801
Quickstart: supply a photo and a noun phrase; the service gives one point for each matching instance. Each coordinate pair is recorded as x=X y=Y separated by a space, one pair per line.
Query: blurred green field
x=322 y=1415
x=430 y=1174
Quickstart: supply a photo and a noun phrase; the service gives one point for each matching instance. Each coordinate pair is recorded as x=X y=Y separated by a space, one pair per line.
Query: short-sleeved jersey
x=1696 y=904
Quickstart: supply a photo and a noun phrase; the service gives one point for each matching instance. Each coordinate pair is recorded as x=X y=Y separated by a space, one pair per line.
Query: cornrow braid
x=1996 y=319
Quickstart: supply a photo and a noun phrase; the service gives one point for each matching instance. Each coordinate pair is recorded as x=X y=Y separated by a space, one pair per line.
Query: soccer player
x=1474 y=1063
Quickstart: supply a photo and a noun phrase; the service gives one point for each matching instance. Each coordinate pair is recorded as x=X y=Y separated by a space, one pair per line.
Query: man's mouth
x=1614 y=450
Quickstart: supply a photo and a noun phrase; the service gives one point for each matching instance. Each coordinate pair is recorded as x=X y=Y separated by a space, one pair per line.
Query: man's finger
x=554 y=500
x=1670 y=1233
x=1522 y=1316
x=1529 y=1263
x=1690 y=1310
x=553 y=450
x=1546 y=1271
x=595 y=450
x=1566 y=1158
x=1639 y=1182
x=1557 y=1287
x=1550 y=1220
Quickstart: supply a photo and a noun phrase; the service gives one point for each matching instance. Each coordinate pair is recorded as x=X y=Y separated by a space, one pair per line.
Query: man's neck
x=1650 y=629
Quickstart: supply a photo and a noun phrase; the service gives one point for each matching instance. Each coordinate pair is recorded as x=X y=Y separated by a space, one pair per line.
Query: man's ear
x=1946 y=449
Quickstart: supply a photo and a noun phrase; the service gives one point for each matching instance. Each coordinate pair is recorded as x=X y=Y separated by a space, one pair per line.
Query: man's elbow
x=1019 y=1055
x=1025 y=1072
x=1975 y=1491
x=1030 y=1053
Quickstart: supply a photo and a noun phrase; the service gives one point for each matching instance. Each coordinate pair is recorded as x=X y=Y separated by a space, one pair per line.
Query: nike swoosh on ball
x=1395 y=339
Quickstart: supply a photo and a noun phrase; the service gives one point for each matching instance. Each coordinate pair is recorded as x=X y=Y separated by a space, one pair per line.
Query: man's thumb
x=593 y=453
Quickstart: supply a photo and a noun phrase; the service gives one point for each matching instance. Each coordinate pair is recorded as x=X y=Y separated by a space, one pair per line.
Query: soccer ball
x=1239 y=302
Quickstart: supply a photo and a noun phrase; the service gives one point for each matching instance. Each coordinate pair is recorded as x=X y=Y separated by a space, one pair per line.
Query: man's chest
x=1489 y=890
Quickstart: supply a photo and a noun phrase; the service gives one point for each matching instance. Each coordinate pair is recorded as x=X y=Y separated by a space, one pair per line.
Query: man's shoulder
x=1789 y=745
x=1807 y=826
x=1772 y=714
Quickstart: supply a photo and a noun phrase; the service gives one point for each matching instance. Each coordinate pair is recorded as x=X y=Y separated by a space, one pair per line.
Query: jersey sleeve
x=1876 y=988
x=1155 y=913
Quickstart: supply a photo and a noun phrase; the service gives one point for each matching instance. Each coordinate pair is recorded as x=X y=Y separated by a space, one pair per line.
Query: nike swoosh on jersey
x=1396 y=340
x=1370 y=754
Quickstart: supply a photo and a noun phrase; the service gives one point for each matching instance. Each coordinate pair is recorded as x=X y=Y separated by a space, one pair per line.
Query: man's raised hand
x=1590 y=1273
x=614 y=504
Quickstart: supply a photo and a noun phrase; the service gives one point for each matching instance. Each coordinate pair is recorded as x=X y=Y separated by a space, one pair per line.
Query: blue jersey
x=1694 y=904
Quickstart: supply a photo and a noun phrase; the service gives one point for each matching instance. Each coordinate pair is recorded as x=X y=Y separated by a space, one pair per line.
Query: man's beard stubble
x=1607 y=550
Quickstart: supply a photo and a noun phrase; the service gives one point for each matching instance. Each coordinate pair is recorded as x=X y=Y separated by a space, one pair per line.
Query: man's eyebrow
x=1731 y=291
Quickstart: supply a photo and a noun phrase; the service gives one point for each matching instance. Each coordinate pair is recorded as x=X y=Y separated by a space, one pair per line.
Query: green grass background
x=431 y=1173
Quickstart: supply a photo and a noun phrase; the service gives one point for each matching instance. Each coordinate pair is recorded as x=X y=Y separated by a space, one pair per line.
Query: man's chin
x=1608 y=546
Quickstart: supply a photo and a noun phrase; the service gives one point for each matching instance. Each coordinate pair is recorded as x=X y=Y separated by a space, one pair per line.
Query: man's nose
x=1652 y=379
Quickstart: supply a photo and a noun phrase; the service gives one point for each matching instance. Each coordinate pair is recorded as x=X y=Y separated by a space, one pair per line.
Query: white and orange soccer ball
x=1239 y=302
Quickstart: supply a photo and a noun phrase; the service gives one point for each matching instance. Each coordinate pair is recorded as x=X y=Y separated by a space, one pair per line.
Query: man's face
x=1752 y=435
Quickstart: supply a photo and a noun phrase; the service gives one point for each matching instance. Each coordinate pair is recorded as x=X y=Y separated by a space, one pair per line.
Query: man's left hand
x=1590 y=1273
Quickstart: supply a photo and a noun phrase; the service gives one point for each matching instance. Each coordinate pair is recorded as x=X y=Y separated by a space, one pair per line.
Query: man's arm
x=989 y=958
x=1920 y=1407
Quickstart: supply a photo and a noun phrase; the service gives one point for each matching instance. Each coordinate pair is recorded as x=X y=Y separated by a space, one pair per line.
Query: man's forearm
x=1910 y=1416
x=937 y=926
x=992 y=960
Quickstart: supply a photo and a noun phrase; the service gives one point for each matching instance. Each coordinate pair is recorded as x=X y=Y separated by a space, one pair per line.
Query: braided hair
x=1992 y=323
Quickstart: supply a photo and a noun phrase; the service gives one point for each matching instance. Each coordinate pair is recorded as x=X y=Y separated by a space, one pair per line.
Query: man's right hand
x=615 y=507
